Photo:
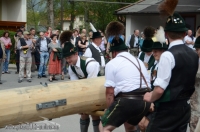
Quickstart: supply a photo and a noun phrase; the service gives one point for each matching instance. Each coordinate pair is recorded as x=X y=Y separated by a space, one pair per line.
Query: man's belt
x=135 y=94
x=43 y=51
x=135 y=97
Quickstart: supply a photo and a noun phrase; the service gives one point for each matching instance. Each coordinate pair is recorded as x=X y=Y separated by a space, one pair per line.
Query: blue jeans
x=44 y=56
x=80 y=53
x=7 y=60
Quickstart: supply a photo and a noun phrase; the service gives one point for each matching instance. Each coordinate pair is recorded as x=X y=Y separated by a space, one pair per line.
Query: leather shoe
x=44 y=76
x=39 y=76
x=19 y=81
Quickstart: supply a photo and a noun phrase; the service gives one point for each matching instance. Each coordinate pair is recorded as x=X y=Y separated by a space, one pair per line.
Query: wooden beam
x=19 y=105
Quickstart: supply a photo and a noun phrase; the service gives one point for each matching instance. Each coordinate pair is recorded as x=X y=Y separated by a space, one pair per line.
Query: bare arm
x=154 y=95
x=109 y=96
x=81 y=45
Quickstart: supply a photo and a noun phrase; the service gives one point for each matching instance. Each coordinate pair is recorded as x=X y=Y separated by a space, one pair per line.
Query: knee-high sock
x=96 y=125
x=84 y=125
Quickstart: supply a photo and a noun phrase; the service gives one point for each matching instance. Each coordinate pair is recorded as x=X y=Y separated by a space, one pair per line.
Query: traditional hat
x=68 y=49
x=148 y=42
x=197 y=43
x=159 y=41
x=174 y=23
x=114 y=28
x=117 y=45
x=96 y=34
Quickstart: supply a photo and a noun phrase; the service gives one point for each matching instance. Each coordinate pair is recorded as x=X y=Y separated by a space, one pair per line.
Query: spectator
x=25 y=45
x=34 y=53
x=22 y=28
x=189 y=39
x=18 y=35
x=48 y=33
x=42 y=47
x=7 y=42
x=54 y=59
x=82 y=44
x=2 y=57
x=103 y=43
x=90 y=36
x=75 y=38
x=141 y=39
x=133 y=41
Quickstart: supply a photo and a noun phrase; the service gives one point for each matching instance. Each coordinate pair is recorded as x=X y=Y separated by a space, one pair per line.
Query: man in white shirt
x=95 y=52
x=81 y=68
x=175 y=81
x=127 y=80
x=133 y=42
x=189 y=39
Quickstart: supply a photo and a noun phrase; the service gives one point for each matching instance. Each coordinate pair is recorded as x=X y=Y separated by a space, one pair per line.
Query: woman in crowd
x=103 y=43
x=2 y=57
x=7 y=42
x=55 y=58
x=82 y=44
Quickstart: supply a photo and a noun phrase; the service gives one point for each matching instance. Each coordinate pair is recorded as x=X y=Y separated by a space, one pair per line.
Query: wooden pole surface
x=83 y=96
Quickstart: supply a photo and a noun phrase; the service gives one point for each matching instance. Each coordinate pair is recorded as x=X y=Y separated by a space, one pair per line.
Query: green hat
x=68 y=49
x=197 y=43
x=96 y=35
x=147 y=45
x=117 y=45
x=158 y=45
x=175 y=23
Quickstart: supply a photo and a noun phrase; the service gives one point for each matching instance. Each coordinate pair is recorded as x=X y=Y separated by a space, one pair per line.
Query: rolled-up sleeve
x=165 y=66
x=109 y=75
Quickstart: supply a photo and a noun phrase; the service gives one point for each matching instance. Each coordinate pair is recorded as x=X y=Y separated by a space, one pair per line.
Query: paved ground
x=67 y=123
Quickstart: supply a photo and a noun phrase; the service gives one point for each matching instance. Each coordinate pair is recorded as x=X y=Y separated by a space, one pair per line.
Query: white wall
x=140 y=22
x=14 y=10
x=66 y=25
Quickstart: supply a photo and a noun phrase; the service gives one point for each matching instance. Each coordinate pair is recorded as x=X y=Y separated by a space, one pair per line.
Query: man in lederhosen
x=126 y=82
x=81 y=68
x=175 y=80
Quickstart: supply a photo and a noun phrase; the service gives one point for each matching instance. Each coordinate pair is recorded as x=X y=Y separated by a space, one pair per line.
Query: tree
x=50 y=13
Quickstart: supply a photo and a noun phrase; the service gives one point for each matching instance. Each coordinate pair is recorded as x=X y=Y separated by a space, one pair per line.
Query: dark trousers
x=37 y=59
x=170 y=117
x=17 y=59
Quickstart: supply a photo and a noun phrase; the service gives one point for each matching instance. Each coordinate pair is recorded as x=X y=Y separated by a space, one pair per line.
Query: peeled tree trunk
x=50 y=13
x=20 y=105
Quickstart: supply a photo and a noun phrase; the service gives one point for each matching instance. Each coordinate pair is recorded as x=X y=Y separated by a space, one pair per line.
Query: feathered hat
x=148 y=42
x=68 y=49
x=95 y=34
x=114 y=29
x=159 y=41
x=174 y=23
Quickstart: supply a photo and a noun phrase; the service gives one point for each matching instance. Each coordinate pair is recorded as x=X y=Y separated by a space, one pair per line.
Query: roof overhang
x=151 y=7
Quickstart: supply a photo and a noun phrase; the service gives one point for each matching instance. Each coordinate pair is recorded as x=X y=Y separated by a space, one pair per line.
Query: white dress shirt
x=188 y=38
x=92 y=69
x=135 y=42
x=88 y=53
x=165 y=66
x=123 y=76
x=146 y=57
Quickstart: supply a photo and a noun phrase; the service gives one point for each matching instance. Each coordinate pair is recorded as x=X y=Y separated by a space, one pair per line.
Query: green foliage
x=100 y=14
x=12 y=54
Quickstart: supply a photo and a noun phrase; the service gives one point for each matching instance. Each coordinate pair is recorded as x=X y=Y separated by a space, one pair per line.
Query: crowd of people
x=154 y=72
